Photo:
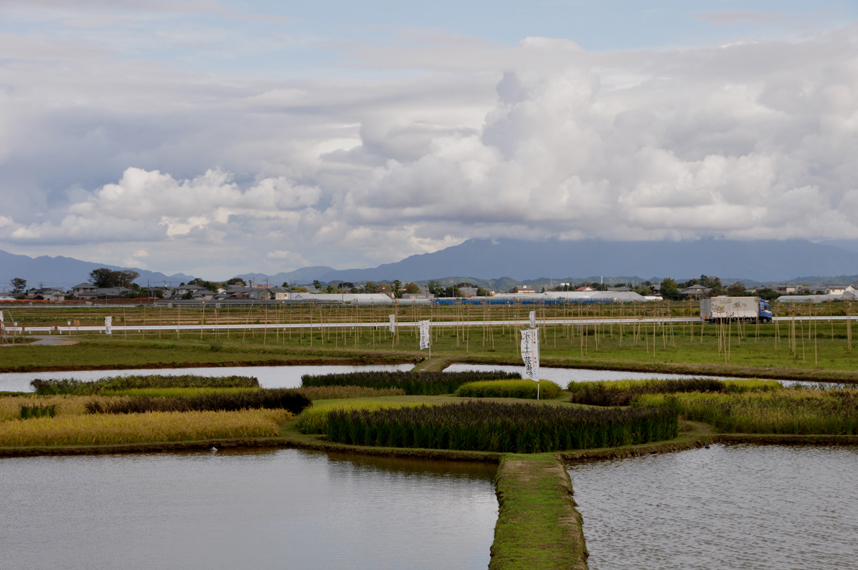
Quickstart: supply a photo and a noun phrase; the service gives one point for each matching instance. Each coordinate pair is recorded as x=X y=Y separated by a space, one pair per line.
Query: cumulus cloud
x=750 y=139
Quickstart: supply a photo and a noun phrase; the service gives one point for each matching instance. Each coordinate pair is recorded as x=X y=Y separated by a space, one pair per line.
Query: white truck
x=725 y=309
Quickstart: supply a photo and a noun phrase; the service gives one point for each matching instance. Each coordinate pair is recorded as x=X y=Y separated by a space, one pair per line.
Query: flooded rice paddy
x=268 y=376
x=735 y=507
x=245 y=509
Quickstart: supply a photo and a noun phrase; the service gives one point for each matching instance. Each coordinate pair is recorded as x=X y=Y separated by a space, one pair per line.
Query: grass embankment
x=804 y=412
x=538 y=525
x=622 y=392
x=526 y=389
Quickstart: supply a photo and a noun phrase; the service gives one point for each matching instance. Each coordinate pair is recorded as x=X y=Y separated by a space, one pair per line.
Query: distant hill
x=501 y=264
x=302 y=275
x=764 y=260
x=66 y=272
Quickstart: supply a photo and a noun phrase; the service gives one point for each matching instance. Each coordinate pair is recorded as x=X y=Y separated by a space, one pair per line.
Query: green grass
x=538 y=525
x=526 y=389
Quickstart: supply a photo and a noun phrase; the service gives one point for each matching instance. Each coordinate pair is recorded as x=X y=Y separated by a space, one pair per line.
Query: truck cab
x=765 y=311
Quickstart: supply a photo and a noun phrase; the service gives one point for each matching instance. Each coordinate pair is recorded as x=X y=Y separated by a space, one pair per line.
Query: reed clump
x=805 y=412
x=106 y=429
x=37 y=411
x=347 y=392
x=525 y=389
x=622 y=392
x=506 y=428
x=115 y=383
x=273 y=399
x=414 y=383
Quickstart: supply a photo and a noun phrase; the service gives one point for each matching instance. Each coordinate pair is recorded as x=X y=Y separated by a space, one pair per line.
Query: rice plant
x=315 y=419
x=808 y=412
x=526 y=389
x=414 y=383
x=141 y=428
x=84 y=388
x=346 y=392
x=622 y=392
x=491 y=426
x=274 y=399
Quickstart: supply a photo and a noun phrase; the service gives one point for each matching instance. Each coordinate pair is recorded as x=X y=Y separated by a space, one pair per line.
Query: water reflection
x=724 y=507
x=245 y=509
x=268 y=376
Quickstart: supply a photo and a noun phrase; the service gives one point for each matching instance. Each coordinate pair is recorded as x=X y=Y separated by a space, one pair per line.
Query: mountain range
x=66 y=272
x=487 y=261
x=751 y=261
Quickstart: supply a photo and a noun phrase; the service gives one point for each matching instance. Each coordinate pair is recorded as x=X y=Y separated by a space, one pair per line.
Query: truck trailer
x=727 y=309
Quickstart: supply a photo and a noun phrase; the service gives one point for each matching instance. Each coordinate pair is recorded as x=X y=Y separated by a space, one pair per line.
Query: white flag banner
x=108 y=325
x=1 y=317
x=392 y=323
x=424 y=333
x=533 y=319
x=530 y=353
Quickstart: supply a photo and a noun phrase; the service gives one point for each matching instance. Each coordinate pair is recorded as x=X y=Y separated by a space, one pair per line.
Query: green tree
x=412 y=288
x=669 y=289
x=236 y=281
x=317 y=284
x=124 y=278
x=285 y=285
x=481 y=292
x=737 y=289
x=396 y=286
x=101 y=277
x=19 y=285
x=435 y=288
x=371 y=287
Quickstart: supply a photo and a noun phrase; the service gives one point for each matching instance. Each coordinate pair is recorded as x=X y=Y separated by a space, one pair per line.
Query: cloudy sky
x=218 y=137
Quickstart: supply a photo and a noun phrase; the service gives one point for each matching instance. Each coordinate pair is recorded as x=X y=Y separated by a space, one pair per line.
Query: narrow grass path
x=538 y=525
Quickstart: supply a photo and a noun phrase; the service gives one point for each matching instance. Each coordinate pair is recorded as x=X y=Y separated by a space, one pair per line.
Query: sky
x=221 y=137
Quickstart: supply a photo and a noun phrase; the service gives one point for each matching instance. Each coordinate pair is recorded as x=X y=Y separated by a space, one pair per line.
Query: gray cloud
x=101 y=155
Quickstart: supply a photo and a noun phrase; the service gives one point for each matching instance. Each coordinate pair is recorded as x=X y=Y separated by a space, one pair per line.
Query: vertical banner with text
x=530 y=353
x=108 y=325
x=533 y=319
x=392 y=323
x=424 y=333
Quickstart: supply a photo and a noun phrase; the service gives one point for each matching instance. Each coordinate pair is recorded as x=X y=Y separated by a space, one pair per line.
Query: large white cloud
x=752 y=139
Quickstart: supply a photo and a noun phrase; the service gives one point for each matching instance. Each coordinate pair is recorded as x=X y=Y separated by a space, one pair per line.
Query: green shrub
x=509 y=389
x=491 y=426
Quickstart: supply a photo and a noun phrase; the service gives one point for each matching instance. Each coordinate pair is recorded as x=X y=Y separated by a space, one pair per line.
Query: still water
x=736 y=507
x=268 y=376
x=563 y=376
x=244 y=509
